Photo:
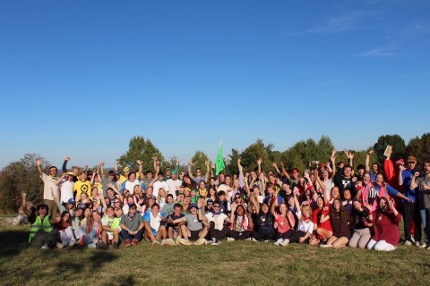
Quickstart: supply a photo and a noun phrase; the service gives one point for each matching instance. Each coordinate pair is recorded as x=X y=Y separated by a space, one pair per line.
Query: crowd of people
x=328 y=205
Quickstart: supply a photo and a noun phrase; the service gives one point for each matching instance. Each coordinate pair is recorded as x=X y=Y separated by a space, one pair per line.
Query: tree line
x=22 y=175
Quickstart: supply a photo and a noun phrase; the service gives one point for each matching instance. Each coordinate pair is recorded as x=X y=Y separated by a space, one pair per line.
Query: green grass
x=231 y=263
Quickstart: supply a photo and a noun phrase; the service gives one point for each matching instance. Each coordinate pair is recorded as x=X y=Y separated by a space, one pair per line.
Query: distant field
x=231 y=263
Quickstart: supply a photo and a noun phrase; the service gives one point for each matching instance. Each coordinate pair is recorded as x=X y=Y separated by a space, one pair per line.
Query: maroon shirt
x=387 y=227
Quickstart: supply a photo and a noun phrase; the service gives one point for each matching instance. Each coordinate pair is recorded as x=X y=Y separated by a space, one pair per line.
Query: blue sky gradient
x=83 y=77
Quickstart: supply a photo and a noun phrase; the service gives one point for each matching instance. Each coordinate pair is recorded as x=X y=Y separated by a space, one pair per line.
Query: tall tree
x=399 y=147
x=139 y=149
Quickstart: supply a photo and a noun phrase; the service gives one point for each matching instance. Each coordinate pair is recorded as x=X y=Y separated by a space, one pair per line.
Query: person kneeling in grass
x=154 y=225
x=386 y=227
x=132 y=227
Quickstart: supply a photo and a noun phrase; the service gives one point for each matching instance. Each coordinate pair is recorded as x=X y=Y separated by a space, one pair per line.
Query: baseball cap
x=209 y=202
x=412 y=159
x=193 y=206
x=71 y=201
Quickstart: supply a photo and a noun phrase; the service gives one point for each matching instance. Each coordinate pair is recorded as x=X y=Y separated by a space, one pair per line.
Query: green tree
x=399 y=147
x=254 y=152
x=419 y=147
x=21 y=176
x=141 y=149
x=199 y=160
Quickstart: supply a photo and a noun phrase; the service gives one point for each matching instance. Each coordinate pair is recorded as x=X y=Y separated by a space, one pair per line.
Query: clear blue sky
x=83 y=77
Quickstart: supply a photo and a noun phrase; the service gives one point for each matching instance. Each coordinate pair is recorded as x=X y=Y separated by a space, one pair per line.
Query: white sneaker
x=45 y=247
x=72 y=243
x=185 y=242
x=200 y=241
x=170 y=242
x=230 y=239
x=285 y=242
x=60 y=245
x=407 y=242
x=163 y=242
x=326 y=245
x=278 y=242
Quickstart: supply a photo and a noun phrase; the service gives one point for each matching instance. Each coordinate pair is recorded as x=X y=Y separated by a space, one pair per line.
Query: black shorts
x=195 y=234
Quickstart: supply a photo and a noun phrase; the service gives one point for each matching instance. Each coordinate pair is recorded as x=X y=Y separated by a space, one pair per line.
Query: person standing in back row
x=50 y=188
x=411 y=209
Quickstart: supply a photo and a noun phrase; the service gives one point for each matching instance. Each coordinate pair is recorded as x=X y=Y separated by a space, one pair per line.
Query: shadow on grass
x=12 y=242
x=72 y=269
x=122 y=280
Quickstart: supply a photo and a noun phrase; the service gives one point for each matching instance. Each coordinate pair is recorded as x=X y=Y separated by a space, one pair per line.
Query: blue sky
x=83 y=77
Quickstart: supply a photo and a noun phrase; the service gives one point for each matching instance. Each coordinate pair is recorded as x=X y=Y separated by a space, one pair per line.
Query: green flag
x=219 y=164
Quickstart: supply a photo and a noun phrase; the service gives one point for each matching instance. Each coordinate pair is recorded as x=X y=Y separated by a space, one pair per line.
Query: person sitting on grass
x=154 y=225
x=264 y=223
x=93 y=229
x=217 y=224
x=174 y=232
x=362 y=217
x=284 y=222
x=42 y=233
x=194 y=227
x=305 y=226
x=65 y=231
x=241 y=225
x=131 y=226
x=111 y=229
x=322 y=224
x=340 y=221
x=386 y=227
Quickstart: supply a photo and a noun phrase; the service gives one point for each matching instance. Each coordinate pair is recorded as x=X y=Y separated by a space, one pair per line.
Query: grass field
x=231 y=263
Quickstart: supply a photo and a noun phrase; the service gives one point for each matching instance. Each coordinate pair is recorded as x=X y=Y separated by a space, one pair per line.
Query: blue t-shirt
x=407 y=179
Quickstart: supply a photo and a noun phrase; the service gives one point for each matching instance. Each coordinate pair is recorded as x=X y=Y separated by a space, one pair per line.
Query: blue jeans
x=425 y=219
x=125 y=235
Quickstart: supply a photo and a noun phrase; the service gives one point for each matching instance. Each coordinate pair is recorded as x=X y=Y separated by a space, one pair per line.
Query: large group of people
x=330 y=205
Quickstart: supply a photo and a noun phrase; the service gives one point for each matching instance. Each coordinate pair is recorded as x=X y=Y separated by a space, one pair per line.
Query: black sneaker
x=101 y=245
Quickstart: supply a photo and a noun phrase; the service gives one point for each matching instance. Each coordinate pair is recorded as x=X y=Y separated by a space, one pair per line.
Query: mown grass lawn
x=231 y=263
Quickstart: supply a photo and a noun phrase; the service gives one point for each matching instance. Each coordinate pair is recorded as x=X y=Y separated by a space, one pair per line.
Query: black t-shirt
x=174 y=217
x=265 y=222
x=360 y=217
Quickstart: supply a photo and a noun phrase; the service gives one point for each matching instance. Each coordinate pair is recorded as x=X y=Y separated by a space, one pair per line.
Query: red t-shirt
x=317 y=217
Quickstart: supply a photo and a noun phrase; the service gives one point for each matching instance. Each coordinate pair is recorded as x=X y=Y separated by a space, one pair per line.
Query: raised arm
x=284 y=172
x=141 y=176
x=39 y=168
x=102 y=170
x=414 y=184
x=368 y=160
x=259 y=161
x=66 y=160
x=190 y=173
x=208 y=170
x=275 y=166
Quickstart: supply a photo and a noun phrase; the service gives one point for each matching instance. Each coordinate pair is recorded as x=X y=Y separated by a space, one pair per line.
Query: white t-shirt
x=130 y=185
x=218 y=219
x=305 y=226
x=156 y=187
x=49 y=183
x=66 y=190
x=173 y=186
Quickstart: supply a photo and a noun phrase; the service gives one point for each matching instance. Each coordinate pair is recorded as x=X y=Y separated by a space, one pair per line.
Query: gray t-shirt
x=132 y=224
x=193 y=222
x=424 y=194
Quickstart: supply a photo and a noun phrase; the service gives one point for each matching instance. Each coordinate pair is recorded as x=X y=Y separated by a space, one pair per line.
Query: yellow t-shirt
x=80 y=187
